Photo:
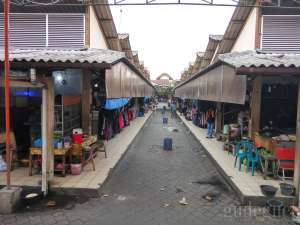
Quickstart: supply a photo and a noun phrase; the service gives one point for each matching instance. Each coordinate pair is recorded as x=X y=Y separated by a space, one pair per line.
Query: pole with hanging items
x=7 y=92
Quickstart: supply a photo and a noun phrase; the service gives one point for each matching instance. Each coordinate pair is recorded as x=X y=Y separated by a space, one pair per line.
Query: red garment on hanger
x=121 y=122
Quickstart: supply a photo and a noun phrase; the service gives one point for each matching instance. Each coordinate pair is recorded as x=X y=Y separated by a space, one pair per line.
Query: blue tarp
x=146 y=98
x=115 y=103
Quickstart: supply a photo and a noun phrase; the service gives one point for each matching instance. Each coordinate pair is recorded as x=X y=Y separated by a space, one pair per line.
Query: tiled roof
x=64 y=56
x=260 y=59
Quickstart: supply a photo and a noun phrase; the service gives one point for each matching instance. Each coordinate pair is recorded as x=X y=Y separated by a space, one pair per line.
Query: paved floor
x=88 y=179
x=146 y=186
x=248 y=185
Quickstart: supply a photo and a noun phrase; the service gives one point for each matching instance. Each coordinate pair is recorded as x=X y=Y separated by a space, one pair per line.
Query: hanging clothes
x=121 y=122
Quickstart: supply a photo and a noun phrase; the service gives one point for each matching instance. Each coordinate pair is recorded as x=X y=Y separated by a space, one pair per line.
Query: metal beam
x=229 y=3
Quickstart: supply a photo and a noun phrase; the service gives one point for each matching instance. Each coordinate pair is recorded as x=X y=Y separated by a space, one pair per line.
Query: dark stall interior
x=279 y=106
x=25 y=117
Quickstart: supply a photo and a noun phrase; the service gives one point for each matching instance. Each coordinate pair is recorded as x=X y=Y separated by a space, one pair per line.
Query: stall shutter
x=66 y=31
x=26 y=30
x=281 y=33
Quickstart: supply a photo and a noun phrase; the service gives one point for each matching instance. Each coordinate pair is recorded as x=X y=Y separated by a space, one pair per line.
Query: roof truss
x=230 y=3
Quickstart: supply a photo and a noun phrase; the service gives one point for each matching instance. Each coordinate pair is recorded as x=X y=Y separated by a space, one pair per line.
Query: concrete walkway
x=88 y=179
x=246 y=185
x=146 y=186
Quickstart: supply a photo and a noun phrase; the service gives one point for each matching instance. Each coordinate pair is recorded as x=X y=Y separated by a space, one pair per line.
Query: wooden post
x=86 y=101
x=297 y=157
x=255 y=106
x=219 y=115
x=136 y=102
x=258 y=25
x=87 y=26
x=49 y=82
x=44 y=142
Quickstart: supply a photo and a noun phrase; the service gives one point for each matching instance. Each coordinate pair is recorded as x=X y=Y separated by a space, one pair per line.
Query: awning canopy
x=115 y=103
x=124 y=80
x=81 y=58
x=219 y=82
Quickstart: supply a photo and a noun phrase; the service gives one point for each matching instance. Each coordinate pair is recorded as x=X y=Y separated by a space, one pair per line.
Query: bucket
x=76 y=169
x=168 y=144
x=275 y=207
x=268 y=190
x=141 y=114
x=287 y=189
x=165 y=120
x=77 y=138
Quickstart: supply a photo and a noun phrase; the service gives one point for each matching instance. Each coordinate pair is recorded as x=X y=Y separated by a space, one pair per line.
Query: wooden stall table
x=62 y=152
x=273 y=145
x=262 y=141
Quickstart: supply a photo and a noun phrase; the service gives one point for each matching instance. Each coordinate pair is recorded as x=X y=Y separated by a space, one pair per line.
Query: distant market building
x=164 y=80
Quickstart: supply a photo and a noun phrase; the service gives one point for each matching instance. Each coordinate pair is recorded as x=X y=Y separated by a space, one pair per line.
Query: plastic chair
x=241 y=152
x=253 y=156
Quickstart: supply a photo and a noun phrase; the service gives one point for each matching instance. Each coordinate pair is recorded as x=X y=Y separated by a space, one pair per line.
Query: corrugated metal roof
x=216 y=37
x=125 y=44
x=214 y=41
x=200 y=54
x=260 y=59
x=235 y=26
x=107 y=24
x=64 y=56
x=253 y=59
x=123 y=36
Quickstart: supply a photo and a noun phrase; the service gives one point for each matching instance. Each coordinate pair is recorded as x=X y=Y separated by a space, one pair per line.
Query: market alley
x=146 y=186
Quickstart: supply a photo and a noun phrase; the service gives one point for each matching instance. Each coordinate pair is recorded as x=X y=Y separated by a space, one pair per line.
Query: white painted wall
x=97 y=38
x=246 y=39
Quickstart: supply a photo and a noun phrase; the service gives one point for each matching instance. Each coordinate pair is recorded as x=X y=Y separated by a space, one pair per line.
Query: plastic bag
x=3 y=166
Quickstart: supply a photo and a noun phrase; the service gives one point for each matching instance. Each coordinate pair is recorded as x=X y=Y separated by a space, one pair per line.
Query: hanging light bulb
x=59 y=78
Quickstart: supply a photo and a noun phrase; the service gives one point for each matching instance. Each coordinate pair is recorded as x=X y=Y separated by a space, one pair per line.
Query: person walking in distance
x=210 y=123
x=173 y=109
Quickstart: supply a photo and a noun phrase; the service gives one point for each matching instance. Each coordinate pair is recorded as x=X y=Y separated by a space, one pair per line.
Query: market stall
x=52 y=90
x=261 y=111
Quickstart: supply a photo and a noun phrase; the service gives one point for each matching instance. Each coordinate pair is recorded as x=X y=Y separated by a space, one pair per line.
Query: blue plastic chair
x=253 y=157
x=241 y=152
